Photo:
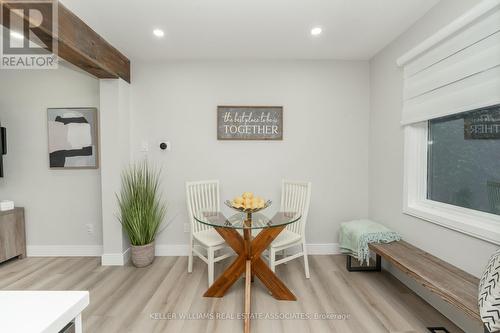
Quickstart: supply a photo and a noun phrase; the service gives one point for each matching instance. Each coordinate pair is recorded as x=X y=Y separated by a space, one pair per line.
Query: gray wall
x=58 y=203
x=386 y=155
x=326 y=105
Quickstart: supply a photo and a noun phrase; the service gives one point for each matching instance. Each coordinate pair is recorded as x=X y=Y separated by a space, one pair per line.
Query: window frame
x=482 y=225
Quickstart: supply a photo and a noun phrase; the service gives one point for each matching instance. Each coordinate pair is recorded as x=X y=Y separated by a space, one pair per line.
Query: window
x=451 y=120
x=452 y=170
x=463 y=164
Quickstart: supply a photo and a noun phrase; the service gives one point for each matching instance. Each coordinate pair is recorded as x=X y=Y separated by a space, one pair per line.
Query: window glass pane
x=464 y=160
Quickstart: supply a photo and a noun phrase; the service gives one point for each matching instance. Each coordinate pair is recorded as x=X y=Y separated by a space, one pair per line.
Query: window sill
x=477 y=224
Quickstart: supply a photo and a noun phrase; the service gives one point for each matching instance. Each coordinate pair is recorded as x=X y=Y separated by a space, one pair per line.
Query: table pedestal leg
x=247 y=296
x=247 y=236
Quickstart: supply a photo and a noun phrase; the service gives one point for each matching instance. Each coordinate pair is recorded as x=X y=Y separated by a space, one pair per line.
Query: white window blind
x=457 y=69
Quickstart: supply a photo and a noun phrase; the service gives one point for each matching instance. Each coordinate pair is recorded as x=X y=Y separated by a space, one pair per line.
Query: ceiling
x=249 y=29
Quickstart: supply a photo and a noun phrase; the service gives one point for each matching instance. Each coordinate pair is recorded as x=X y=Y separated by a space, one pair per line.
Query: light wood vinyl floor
x=153 y=299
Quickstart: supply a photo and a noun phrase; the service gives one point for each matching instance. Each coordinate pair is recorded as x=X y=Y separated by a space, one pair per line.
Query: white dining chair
x=295 y=197
x=205 y=242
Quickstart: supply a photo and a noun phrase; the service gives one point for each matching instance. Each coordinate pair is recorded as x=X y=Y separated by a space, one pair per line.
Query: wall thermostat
x=165 y=145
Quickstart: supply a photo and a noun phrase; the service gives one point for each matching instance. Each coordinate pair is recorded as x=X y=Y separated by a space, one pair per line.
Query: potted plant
x=141 y=210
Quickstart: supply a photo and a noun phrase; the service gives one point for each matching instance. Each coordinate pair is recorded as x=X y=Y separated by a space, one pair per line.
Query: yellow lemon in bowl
x=238 y=200
x=247 y=195
x=248 y=201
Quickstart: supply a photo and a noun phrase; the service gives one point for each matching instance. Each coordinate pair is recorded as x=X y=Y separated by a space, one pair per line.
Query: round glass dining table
x=249 y=250
x=247 y=221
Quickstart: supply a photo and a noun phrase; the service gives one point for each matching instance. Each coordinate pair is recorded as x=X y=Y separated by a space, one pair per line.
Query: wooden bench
x=455 y=286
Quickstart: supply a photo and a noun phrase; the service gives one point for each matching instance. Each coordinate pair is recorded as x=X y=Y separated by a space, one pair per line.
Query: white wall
x=58 y=203
x=386 y=154
x=326 y=114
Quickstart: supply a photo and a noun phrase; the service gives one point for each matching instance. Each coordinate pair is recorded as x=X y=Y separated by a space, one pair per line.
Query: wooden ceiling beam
x=78 y=44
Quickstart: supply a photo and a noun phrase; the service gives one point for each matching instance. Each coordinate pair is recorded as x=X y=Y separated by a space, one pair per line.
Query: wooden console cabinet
x=12 y=234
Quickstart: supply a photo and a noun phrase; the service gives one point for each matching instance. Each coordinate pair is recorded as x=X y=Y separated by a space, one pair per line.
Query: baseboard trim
x=115 y=259
x=64 y=250
x=323 y=249
x=126 y=256
x=172 y=250
x=176 y=250
x=162 y=250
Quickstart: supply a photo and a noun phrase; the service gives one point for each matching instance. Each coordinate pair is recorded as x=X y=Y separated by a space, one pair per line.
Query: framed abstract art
x=73 y=142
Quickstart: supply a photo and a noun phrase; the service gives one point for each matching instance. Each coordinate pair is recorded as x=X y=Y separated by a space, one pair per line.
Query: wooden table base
x=250 y=263
x=248 y=282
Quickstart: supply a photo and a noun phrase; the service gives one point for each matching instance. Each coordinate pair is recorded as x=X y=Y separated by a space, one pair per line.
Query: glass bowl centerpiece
x=248 y=203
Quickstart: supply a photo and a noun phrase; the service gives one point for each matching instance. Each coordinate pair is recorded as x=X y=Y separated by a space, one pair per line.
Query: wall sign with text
x=250 y=123
x=483 y=124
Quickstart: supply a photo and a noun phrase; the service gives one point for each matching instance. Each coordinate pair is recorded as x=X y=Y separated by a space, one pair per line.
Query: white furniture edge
x=458 y=24
x=70 y=314
x=74 y=313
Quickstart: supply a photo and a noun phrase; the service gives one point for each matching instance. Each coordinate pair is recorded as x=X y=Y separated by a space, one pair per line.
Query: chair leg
x=210 y=253
x=190 y=259
x=272 y=260
x=283 y=255
x=306 y=260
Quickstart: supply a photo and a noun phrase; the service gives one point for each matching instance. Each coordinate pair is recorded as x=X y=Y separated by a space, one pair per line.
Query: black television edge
x=3 y=147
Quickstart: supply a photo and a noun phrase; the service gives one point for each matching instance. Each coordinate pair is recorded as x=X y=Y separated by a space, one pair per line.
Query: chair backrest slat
x=295 y=197
x=299 y=206
x=201 y=196
x=197 y=205
x=301 y=196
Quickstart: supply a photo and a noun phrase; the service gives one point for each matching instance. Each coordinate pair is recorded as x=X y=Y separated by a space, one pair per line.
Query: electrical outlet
x=90 y=228
x=187 y=227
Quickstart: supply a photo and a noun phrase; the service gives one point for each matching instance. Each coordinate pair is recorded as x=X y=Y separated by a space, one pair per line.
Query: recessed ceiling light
x=316 y=31
x=158 y=33
x=16 y=35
